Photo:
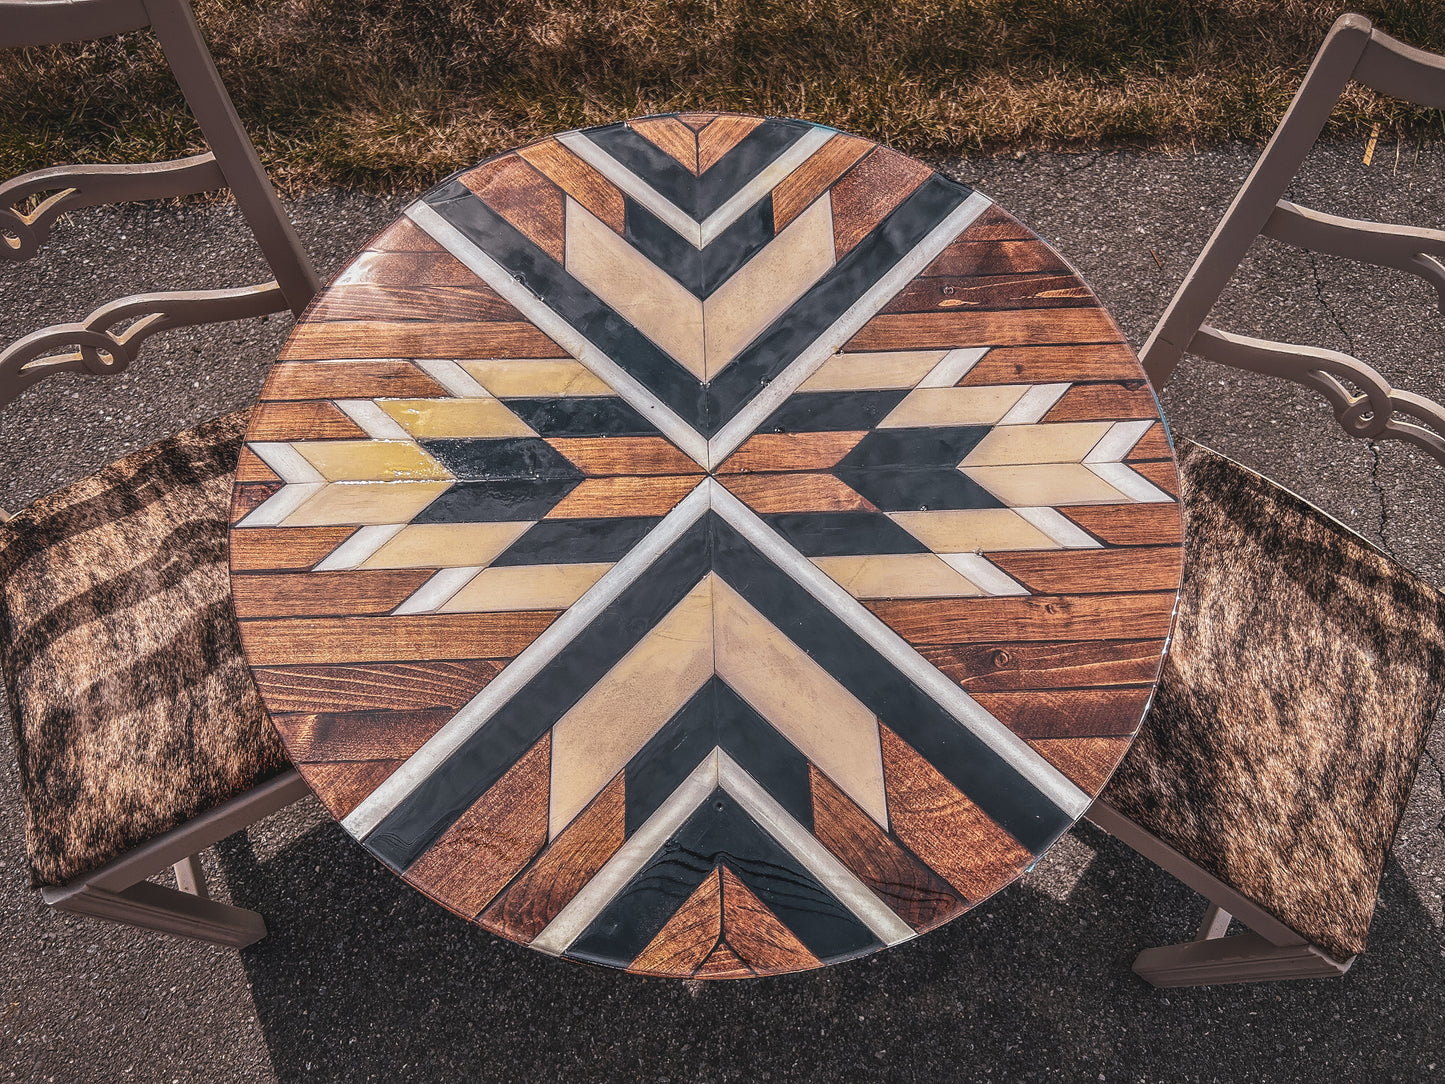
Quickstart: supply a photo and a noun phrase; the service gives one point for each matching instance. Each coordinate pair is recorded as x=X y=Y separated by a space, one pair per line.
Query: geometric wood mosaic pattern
x=707 y=546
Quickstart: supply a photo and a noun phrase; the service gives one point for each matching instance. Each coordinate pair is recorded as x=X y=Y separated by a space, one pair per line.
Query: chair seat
x=1305 y=671
x=133 y=708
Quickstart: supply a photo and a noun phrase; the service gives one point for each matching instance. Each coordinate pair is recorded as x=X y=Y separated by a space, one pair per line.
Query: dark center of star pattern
x=706 y=546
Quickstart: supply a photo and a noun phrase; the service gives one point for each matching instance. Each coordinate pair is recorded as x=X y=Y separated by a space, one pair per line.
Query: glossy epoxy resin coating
x=706 y=546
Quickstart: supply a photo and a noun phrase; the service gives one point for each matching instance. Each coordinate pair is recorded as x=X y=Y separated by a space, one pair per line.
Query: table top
x=706 y=545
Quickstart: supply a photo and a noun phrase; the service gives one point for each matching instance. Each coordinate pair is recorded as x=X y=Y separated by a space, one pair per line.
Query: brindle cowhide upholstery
x=133 y=708
x=1305 y=671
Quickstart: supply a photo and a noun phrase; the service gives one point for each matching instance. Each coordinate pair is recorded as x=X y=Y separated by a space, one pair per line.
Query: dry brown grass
x=395 y=93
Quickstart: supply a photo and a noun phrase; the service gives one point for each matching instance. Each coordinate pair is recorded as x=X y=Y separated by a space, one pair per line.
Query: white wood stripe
x=954 y=366
x=286 y=461
x=1060 y=528
x=379 y=425
x=625 y=863
x=275 y=509
x=1119 y=441
x=442 y=586
x=772 y=175
x=453 y=377
x=844 y=328
x=984 y=574
x=815 y=858
x=358 y=547
x=561 y=332
x=525 y=666
x=1130 y=483
x=969 y=713
x=1035 y=404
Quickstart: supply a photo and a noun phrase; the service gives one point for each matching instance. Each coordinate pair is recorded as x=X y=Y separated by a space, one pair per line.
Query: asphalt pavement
x=361 y=978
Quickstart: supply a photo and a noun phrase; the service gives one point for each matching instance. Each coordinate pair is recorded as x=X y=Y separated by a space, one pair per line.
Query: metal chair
x=1226 y=804
x=96 y=566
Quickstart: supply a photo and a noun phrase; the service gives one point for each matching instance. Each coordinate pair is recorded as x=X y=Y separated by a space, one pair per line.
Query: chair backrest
x=108 y=340
x=1362 y=399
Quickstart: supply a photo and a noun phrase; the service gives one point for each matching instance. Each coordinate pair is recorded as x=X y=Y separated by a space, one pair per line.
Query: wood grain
x=344 y=785
x=319 y=420
x=1097 y=402
x=796 y=493
x=404 y=235
x=325 y=594
x=996 y=224
x=251 y=468
x=358 y=735
x=605 y=456
x=951 y=292
x=940 y=825
x=475 y=858
x=350 y=380
x=947 y=330
x=869 y=192
x=524 y=197
x=1089 y=572
x=1087 y=761
x=558 y=874
x=281 y=548
x=1130 y=524
x=407 y=339
x=649 y=495
x=721 y=136
x=1070 y=713
x=1046 y=617
x=1028 y=364
x=1047 y=665
x=689 y=936
x=1162 y=473
x=473 y=301
x=579 y=180
x=981 y=256
x=724 y=963
x=405 y=269
x=672 y=137
x=790 y=452
x=248 y=496
x=752 y=931
x=910 y=889
x=813 y=177
x=301 y=641
x=1152 y=445
x=403 y=686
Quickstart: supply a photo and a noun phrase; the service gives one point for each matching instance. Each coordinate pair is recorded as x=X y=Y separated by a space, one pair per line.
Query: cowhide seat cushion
x=1305 y=671
x=132 y=706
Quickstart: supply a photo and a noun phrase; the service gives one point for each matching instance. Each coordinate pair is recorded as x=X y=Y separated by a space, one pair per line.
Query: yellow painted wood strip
x=973 y=530
x=446 y=545
x=1046 y=485
x=875 y=371
x=512 y=378
x=371 y=461
x=903 y=575
x=526 y=587
x=1054 y=442
x=954 y=406
x=454 y=418
x=365 y=503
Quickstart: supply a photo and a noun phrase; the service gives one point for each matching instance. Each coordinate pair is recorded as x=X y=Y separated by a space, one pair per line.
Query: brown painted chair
x=1307 y=667
x=139 y=733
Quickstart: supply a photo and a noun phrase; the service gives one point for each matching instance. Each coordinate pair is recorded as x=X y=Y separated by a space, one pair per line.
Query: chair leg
x=190 y=877
x=166 y=910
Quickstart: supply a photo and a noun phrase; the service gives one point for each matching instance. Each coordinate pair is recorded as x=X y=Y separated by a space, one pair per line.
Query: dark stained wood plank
x=325 y=594
x=402 y=686
x=1070 y=713
x=525 y=198
x=970 y=256
x=1087 y=761
x=947 y=330
x=796 y=493
x=473 y=301
x=1152 y=445
x=279 y=548
x=1130 y=524
x=302 y=641
x=1100 y=402
x=358 y=735
x=1045 y=617
x=314 y=419
x=869 y=192
x=721 y=136
x=991 y=292
x=351 y=380
x=404 y=235
x=672 y=137
x=344 y=785
x=1045 y=665
x=1055 y=364
x=604 y=456
x=475 y=858
x=414 y=269
x=790 y=452
x=1080 y=572
x=648 y=495
x=913 y=891
x=1162 y=473
x=940 y=825
x=759 y=938
x=250 y=468
x=248 y=496
x=689 y=936
x=810 y=180
x=579 y=180
x=573 y=859
x=439 y=339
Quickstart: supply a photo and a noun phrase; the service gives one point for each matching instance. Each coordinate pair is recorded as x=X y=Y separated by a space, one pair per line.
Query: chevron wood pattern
x=707 y=546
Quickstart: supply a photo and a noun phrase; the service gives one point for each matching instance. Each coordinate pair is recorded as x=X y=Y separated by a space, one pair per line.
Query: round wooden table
x=706 y=545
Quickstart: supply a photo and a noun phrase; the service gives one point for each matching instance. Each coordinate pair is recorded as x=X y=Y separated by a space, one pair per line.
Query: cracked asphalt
x=362 y=978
